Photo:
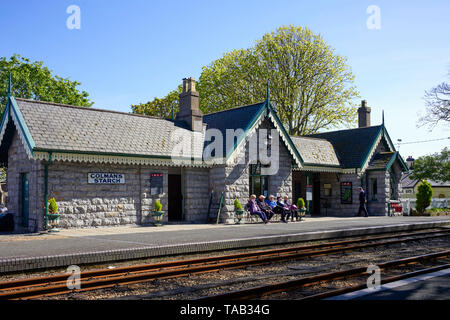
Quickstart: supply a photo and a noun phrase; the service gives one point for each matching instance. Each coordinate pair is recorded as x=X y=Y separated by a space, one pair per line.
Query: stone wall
x=89 y=205
x=237 y=179
x=19 y=163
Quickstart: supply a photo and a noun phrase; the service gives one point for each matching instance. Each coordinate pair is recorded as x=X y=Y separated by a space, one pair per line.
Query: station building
x=107 y=168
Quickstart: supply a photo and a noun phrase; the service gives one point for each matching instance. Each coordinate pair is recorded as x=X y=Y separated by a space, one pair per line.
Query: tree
x=160 y=107
x=310 y=85
x=433 y=167
x=438 y=105
x=423 y=196
x=32 y=80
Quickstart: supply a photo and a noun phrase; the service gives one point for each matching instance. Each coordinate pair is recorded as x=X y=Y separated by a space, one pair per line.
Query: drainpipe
x=47 y=164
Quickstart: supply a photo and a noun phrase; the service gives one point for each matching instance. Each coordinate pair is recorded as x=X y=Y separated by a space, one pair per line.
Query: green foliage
x=160 y=107
x=433 y=167
x=310 y=85
x=52 y=206
x=32 y=80
x=300 y=203
x=158 y=205
x=237 y=205
x=2 y=173
x=423 y=196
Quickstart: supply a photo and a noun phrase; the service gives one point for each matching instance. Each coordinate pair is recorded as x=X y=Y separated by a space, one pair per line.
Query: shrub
x=237 y=205
x=52 y=206
x=300 y=203
x=158 y=205
x=423 y=196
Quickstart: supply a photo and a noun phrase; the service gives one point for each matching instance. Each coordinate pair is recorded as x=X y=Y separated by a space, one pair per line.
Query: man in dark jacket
x=264 y=207
x=362 y=202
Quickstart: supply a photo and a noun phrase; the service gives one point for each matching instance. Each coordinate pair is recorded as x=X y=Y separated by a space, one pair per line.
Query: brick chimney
x=189 y=106
x=363 y=115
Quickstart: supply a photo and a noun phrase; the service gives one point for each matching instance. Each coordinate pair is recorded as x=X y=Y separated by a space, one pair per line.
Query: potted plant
x=238 y=210
x=52 y=215
x=301 y=207
x=157 y=213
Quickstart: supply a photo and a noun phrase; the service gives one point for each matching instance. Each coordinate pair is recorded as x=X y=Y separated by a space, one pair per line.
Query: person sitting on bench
x=283 y=209
x=271 y=202
x=254 y=209
x=292 y=207
x=264 y=207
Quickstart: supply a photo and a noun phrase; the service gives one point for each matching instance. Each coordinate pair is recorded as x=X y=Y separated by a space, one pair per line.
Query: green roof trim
x=112 y=154
x=284 y=132
x=22 y=125
x=246 y=130
x=370 y=150
x=397 y=156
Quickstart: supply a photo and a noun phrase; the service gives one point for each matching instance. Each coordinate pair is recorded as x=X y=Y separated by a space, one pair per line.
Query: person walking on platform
x=362 y=202
x=254 y=209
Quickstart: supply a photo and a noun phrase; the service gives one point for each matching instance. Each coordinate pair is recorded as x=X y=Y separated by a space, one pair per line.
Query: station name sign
x=106 y=178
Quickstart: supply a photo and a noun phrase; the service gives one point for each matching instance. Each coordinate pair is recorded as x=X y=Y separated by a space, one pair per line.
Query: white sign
x=106 y=178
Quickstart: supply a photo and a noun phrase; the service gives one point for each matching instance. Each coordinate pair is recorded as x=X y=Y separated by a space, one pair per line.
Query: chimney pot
x=364 y=115
x=189 y=106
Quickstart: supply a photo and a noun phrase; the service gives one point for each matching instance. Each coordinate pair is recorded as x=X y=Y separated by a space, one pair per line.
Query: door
x=25 y=199
x=175 y=198
x=316 y=194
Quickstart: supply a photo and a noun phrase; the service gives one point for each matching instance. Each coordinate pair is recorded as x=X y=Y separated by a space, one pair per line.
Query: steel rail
x=189 y=262
x=257 y=292
x=93 y=279
x=337 y=292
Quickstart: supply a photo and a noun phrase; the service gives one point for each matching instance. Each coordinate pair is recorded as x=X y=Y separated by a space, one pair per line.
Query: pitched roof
x=407 y=182
x=236 y=118
x=316 y=151
x=352 y=145
x=67 y=128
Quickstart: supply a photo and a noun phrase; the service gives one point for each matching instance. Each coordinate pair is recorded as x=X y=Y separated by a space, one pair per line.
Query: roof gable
x=352 y=146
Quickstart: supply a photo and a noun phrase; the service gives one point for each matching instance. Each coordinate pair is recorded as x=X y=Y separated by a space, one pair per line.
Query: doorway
x=175 y=198
x=316 y=193
x=24 y=199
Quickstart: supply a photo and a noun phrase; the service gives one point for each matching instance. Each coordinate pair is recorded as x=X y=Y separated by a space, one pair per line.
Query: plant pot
x=53 y=219
x=158 y=216
x=239 y=214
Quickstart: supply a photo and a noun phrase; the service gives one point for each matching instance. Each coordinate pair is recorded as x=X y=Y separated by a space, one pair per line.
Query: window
x=258 y=184
x=327 y=189
x=374 y=187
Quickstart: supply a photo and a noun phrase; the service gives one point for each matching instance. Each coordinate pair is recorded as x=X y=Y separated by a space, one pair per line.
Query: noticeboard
x=346 y=193
x=156 y=183
x=309 y=193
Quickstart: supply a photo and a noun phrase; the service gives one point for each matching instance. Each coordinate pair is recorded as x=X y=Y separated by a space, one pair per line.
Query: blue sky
x=128 y=52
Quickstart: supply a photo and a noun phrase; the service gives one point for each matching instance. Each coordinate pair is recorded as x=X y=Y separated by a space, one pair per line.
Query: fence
x=409 y=204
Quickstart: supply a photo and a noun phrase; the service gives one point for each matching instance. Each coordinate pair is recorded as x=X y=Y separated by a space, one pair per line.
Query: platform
x=432 y=286
x=98 y=245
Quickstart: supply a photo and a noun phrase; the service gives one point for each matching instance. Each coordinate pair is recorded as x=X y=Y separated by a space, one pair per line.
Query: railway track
x=267 y=290
x=106 y=278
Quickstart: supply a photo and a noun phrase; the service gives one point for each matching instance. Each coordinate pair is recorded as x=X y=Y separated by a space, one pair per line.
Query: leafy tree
x=310 y=85
x=160 y=107
x=32 y=80
x=433 y=167
x=423 y=196
x=438 y=105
